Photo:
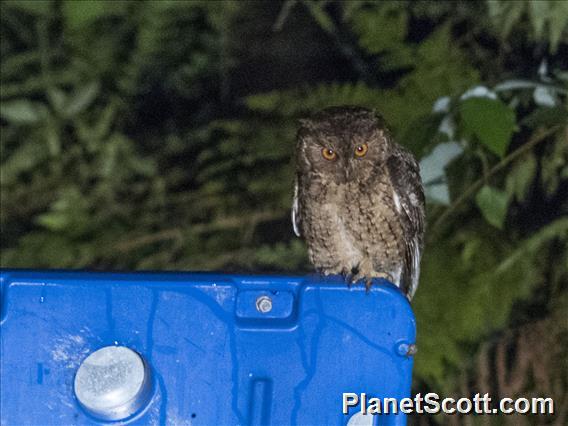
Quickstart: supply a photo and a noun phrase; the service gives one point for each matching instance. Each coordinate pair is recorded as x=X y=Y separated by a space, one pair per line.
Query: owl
x=358 y=199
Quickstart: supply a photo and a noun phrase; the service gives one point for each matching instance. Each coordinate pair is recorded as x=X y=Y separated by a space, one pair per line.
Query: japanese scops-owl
x=358 y=199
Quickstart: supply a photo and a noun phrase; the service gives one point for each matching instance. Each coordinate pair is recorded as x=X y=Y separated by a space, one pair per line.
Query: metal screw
x=264 y=304
x=412 y=349
x=405 y=349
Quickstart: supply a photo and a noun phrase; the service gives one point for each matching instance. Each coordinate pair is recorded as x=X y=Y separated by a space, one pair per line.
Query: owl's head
x=344 y=143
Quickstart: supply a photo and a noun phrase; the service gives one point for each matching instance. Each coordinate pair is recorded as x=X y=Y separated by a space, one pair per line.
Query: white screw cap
x=113 y=383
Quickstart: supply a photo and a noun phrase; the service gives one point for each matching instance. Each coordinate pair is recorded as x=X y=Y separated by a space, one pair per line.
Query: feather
x=296 y=211
x=404 y=172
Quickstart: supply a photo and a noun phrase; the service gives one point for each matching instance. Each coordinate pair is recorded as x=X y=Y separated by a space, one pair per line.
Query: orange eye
x=361 y=150
x=329 y=154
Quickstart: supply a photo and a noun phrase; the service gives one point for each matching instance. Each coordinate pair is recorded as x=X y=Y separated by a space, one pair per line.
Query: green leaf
x=546 y=117
x=81 y=99
x=549 y=20
x=35 y=7
x=57 y=98
x=505 y=14
x=79 y=14
x=527 y=248
x=558 y=26
x=54 y=221
x=472 y=300
x=381 y=27
x=27 y=156
x=286 y=103
x=493 y=204
x=521 y=176
x=490 y=120
x=70 y=105
x=552 y=162
x=442 y=68
x=23 y=111
x=68 y=214
x=320 y=16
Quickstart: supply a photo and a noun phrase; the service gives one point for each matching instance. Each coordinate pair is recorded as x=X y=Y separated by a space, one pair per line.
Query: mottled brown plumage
x=358 y=201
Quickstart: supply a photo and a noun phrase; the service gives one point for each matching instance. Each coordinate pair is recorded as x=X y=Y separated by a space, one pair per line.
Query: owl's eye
x=361 y=150
x=329 y=154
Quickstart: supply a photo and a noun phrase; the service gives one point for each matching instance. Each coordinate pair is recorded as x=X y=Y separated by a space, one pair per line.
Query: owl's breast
x=374 y=219
x=326 y=228
x=347 y=224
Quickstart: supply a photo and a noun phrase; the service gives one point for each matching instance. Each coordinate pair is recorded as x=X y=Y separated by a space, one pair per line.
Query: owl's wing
x=409 y=200
x=296 y=210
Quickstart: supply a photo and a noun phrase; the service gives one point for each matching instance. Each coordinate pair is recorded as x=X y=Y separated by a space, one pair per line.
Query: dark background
x=159 y=136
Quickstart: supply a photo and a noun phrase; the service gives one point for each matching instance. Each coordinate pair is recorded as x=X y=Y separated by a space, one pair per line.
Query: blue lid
x=218 y=349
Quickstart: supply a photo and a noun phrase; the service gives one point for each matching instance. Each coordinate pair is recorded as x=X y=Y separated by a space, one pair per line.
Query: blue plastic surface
x=216 y=360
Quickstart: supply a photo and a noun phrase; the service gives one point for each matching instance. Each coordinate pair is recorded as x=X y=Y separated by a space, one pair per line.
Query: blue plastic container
x=219 y=349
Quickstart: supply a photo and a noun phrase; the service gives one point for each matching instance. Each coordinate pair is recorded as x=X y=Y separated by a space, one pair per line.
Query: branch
x=222 y=223
x=167 y=234
x=538 y=137
x=283 y=15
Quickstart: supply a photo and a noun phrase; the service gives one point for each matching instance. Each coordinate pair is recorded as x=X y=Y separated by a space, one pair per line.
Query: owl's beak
x=347 y=173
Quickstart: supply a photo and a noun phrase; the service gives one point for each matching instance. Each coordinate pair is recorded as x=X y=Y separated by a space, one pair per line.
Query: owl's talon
x=347 y=277
x=368 y=284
